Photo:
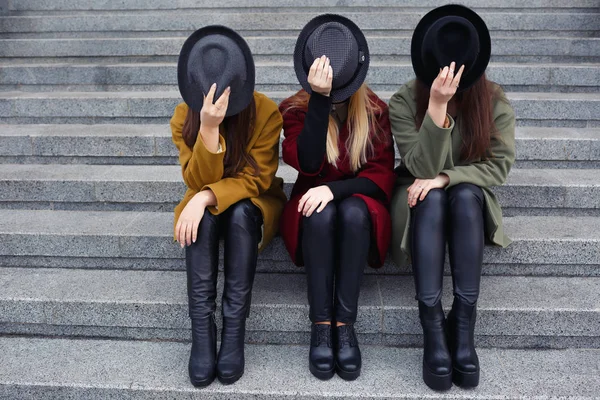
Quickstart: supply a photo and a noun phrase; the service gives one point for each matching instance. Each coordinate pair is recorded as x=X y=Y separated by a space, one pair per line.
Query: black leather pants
x=335 y=246
x=456 y=216
x=240 y=226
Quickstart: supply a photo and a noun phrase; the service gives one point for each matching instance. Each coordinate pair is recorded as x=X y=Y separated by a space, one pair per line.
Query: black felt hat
x=451 y=33
x=216 y=54
x=344 y=43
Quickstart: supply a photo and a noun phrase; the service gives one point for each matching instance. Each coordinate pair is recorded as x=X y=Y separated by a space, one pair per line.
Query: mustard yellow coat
x=202 y=169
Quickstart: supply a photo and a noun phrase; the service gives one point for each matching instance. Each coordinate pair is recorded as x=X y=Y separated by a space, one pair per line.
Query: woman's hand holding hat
x=442 y=90
x=211 y=117
x=320 y=76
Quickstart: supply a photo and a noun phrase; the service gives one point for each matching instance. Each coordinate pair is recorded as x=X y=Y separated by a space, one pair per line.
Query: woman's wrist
x=438 y=112
x=210 y=137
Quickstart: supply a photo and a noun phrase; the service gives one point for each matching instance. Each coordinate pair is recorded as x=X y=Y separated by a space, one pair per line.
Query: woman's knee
x=353 y=213
x=244 y=213
x=433 y=207
x=466 y=200
x=326 y=219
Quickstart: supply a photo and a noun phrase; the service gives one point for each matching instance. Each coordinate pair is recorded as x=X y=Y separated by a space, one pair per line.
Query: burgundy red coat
x=379 y=169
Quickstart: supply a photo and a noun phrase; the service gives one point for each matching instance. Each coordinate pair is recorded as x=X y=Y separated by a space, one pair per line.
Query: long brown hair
x=362 y=125
x=239 y=129
x=475 y=109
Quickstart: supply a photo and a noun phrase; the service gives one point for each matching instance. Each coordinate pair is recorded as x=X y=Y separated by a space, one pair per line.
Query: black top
x=312 y=145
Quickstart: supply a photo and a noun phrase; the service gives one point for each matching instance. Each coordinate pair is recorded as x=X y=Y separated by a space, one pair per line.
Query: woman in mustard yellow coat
x=229 y=154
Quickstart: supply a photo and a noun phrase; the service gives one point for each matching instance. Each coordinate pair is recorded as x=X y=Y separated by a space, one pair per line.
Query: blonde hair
x=361 y=122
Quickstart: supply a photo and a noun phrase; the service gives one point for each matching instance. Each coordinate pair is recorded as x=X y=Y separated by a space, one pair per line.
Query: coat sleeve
x=379 y=167
x=265 y=152
x=293 y=127
x=493 y=171
x=199 y=166
x=423 y=151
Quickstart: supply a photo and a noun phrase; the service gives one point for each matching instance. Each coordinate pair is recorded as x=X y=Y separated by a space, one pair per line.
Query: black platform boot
x=321 y=361
x=202 y=258
x=243 y=223
x=461 y=339
x=203 y=355
x=348 y=360
x=437 y=364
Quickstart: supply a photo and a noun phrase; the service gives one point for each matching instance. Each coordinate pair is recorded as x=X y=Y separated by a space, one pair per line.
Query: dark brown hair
x=239 y=129
x=475 y=109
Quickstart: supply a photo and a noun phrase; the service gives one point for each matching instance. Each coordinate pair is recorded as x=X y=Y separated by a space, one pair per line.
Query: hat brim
x=338 y=94
x=193 y=94
x=428 y=75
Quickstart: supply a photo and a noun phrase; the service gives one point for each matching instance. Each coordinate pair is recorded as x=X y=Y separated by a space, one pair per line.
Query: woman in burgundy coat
x=337 y=219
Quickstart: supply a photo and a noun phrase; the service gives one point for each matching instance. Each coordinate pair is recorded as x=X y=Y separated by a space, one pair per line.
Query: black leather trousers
x=335 y=246
x=240 y=226
x=454 y=216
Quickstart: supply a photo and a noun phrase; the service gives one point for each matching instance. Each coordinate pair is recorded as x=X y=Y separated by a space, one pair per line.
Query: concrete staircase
x=92 y=289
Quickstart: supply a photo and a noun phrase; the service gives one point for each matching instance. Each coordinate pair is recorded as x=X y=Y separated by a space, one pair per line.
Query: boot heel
x=465 y=379
x=437 y=382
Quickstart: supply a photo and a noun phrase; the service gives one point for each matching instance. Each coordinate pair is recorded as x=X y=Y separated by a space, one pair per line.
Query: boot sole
x=346 y=375
x=465 y=379
x=228 y=380
x=437 y=382
x=202 y=383
x=320 y=374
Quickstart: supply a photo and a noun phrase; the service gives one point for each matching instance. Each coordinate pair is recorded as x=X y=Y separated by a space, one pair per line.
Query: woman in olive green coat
x=455 y=145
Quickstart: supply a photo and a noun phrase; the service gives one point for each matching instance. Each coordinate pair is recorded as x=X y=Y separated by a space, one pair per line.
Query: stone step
x=152 y=144
x=280 y=49
x=278 y=76
x=79 y=5
x=153 y=305
x=549 y=245
x=567 y=192
x=101 y=369
x=289 y=22
x=532 y=109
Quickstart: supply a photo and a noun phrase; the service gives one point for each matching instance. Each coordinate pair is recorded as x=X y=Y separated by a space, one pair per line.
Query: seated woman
x=337 y=220
x=455 y=133
x=229 y=154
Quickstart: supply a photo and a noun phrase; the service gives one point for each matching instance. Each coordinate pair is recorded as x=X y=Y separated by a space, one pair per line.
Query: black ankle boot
x=348 y=360
x=204 y=351
x=461 y=338
x=320 y=358
x=230 y=363
x=437 y=364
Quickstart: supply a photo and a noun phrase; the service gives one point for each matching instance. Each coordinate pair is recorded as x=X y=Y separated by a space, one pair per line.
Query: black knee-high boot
x=202 y=260
x=354 y=225
x=428 y=247
x=466 y=243
x=242 y=226
x=318 y=250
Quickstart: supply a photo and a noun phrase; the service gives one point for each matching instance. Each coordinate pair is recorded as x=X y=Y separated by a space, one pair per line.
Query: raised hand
x=445 y=85
x=211 y=114
x=320 y=76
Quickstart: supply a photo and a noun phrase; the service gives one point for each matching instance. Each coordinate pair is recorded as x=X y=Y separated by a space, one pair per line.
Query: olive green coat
x=431 y=150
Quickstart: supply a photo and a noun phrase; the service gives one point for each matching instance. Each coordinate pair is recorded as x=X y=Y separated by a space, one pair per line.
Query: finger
x=188 y=234
x=326 y=68
x=426 y=190
x=443 y=75
x=330 y=76
x=211 y=94
x=302 y=201
x=313 y=206
x=322 y=206
x=456 y=80
x=223 y=101
x=195 y=225
x=313 y=68
x=177 y=228
x=450 y=76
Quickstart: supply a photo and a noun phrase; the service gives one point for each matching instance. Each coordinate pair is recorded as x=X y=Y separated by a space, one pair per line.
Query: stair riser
x=270 y=78
x=382 y=48
x=165 y=21
x=578 y=113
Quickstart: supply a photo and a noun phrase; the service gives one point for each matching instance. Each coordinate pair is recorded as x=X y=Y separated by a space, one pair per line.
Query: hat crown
x=208 y=60
x=451 y=38
x=337 y=42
